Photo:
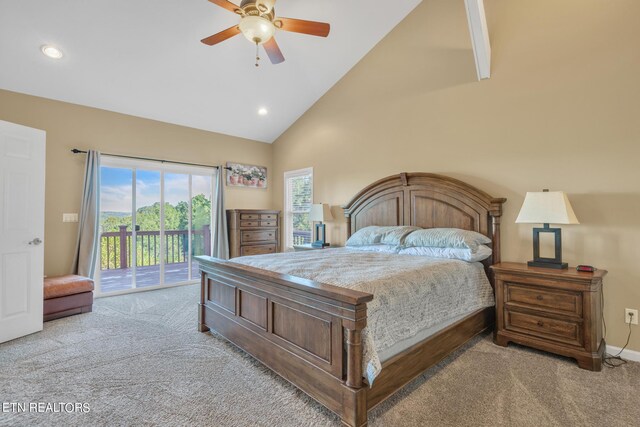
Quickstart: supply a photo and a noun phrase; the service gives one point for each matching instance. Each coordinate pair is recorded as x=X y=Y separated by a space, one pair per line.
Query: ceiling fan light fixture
x=257 y=29
x=265 y=6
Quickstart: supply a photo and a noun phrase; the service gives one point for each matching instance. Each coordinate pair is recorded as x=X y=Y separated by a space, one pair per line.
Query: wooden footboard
x=310 y=334
x=307 y=332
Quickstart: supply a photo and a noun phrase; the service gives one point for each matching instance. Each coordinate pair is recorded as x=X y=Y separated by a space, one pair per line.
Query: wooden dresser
x=253 y=232
x=559 y=311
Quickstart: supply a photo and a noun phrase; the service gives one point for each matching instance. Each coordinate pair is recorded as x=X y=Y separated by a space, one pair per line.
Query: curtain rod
x=76 y=151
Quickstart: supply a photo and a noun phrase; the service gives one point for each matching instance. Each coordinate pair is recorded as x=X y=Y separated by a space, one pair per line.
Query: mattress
x=413 y=295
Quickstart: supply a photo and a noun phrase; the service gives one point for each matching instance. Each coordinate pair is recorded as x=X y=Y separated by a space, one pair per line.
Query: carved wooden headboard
x=428 y=201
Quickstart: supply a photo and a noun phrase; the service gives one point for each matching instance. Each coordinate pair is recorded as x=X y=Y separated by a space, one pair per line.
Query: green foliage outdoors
x=148 y=245
x=301 y=202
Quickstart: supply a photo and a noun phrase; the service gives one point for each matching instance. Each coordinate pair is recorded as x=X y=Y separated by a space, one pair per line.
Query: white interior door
x=22 y=164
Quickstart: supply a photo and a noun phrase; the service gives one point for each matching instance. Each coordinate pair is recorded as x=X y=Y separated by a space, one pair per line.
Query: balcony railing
x=301 y=237
x=116 y=253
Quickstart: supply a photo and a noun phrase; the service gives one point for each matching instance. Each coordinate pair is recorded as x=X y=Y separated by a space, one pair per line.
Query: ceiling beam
x=479 y=37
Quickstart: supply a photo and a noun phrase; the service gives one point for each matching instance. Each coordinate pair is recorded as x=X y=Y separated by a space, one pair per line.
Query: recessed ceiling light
x=263 y=111
x=51 y=51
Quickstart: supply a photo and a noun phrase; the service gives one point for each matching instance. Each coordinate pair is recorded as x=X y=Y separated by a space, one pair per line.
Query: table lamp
x=320 y=212
x=547 y=207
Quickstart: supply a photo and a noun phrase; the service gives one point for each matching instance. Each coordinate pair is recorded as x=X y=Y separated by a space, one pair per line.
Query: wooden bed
x=310 y=333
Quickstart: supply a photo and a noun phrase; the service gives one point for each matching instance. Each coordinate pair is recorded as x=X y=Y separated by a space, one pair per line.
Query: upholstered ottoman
x=67 y=295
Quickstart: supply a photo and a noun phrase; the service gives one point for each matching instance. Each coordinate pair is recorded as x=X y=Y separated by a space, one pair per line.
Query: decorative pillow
x=446 y=238
x=482 y=253
x=388 y=249
x=372 y=235
x=396 y=235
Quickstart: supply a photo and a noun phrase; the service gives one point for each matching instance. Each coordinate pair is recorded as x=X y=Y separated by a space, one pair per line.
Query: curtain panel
x=87 y=244
x=220 y=232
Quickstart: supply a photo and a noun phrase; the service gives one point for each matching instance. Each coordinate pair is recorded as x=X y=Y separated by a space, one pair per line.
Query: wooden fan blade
x=221 y=36
x=226 y=4
x=273 y=51
x=313 y=28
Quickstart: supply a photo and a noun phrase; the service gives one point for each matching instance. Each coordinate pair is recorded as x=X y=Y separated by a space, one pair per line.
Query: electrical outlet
x=631 y=316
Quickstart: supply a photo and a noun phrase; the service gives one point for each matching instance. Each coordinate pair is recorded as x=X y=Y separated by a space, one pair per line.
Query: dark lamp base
x=320 y=237
x=554 y=265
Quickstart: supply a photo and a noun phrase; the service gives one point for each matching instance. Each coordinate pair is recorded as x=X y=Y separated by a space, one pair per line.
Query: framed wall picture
x=239 y=175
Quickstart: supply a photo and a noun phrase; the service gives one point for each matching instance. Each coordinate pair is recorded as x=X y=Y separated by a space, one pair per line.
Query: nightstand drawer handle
x=539 y=298
x=540 y=323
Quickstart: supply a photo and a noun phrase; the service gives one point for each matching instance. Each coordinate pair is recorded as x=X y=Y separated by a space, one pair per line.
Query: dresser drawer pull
x=539 y=297
x=540 y=323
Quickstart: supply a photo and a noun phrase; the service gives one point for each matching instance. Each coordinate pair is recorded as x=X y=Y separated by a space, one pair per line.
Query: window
x=154 y=218
x=298 y=197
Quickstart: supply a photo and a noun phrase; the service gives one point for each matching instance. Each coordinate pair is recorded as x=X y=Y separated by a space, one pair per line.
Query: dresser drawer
x=257 y=249
x=249 y=224
x=249 y=216
x=268 y=223
x=268 y=217
x=565 y=331
x=553 y=301
x=257 y=236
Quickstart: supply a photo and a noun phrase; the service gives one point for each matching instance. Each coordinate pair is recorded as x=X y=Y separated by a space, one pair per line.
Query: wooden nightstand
x=308 y=247
x=559 y=311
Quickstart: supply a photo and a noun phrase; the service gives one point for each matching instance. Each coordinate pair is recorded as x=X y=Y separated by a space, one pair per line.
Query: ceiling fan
x=258 y=23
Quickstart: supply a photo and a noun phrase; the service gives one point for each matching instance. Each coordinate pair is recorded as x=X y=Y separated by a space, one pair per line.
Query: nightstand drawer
x=257 y=250
x=257 y=236
x=553 y=301
x=565 y=331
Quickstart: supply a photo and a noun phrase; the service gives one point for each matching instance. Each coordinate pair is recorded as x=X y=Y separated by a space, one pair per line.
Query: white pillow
x=372 y=235
x=482 y=253
x=446 y=238
x=389 y=249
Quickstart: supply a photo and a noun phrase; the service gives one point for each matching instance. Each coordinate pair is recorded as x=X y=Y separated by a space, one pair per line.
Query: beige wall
x=71 y=126
x=561 y=111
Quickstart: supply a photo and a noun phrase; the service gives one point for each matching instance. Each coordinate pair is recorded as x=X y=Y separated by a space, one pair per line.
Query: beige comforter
x=411 y=293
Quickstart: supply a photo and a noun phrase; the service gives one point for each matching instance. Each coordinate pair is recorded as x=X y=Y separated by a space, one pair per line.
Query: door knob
x=35 y=241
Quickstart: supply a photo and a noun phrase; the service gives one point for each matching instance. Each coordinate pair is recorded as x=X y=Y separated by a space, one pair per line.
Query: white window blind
x=298 y=197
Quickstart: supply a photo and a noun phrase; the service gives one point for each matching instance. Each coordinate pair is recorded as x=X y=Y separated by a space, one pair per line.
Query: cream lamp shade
x=547 y=207
x=320 y=212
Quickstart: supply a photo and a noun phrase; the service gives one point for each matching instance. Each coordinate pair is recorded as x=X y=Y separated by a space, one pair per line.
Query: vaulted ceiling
x=144 y=58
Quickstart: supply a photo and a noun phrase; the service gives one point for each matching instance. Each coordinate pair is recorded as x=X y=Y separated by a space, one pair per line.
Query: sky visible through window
x=116 y=194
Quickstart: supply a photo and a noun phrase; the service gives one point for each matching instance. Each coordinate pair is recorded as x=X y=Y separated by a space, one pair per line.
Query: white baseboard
x=627 y=354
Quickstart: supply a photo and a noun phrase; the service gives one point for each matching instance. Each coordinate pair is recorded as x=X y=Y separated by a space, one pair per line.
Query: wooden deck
x=121 y=279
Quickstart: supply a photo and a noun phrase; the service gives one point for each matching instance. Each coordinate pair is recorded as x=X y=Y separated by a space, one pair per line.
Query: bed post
x=354 y=358
x=354 y=413
x=201 y=324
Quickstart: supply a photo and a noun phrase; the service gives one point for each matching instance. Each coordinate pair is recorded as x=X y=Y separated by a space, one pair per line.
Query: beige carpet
x=138 y=360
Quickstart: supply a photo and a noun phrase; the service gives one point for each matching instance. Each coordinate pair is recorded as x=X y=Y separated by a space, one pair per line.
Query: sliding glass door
x=155 y=217
x=177 y=226
x=116 y=216
x=147 y=227
x=201 y=215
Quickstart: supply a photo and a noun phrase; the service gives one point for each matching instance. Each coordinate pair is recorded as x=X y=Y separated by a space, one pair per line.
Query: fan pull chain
x=257 y=55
